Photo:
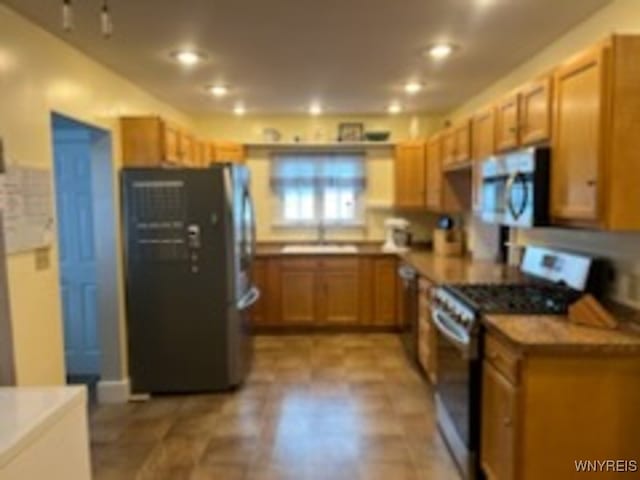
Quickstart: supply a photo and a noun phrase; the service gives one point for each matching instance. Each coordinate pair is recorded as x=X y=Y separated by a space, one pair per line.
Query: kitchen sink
x=320 y=249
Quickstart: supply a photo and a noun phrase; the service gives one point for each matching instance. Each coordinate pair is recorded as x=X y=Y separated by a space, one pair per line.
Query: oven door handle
x=439 y=320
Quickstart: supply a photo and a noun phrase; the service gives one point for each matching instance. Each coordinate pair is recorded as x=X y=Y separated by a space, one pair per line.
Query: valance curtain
x=318 y=170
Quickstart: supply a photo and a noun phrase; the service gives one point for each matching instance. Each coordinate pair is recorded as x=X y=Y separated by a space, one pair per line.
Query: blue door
x=77 y=251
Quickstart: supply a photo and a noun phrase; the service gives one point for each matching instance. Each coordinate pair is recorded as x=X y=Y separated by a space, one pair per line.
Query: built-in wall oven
x=515 y=188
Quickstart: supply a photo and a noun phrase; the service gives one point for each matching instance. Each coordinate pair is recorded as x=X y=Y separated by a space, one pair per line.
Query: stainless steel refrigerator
x=189 y=242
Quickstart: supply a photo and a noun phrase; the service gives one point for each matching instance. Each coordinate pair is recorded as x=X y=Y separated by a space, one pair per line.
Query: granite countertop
x=551 y=333
x=447 y=270
x=274 y=249
x=25 y=412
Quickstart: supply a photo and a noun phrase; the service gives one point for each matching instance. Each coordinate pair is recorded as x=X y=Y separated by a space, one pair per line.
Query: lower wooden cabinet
x=545 y=409
x=325 y=291
x=427 y=334
x=499 y=419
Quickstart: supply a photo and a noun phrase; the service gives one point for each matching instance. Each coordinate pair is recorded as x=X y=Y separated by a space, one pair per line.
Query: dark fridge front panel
x=180 y=286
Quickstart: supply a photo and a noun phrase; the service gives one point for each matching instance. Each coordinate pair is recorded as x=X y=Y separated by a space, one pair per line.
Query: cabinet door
x=483 y=146
x=340 y=297
x=427 y=334
x=259 y=311
x=499 y=421
x=507 y=117
x=298 y=296
x=187 y=147
x=535 y=112
x=434 y=174
x=229 y=152
x=384 y=291
x=142 y=141
x=410 y=175
x=462 y=142
x=575 y=182
x=172 y=144
x=448 y=153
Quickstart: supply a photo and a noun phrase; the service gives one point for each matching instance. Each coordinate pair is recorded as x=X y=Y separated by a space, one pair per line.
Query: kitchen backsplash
x=621 y=249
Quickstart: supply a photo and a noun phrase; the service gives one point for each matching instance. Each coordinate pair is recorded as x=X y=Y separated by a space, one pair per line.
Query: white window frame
x=320 y=159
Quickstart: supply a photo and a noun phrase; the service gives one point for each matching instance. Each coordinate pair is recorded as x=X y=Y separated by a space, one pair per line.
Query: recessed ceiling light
x=218 y=90
x=188 y=58
x=239 y=109
x=394 y=108
x=440 y=50
x=315 y=109
x=412 y=88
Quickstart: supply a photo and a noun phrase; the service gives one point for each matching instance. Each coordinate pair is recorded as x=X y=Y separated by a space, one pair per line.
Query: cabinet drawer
x=503 y=358
x=300 y=263
x=339 y=264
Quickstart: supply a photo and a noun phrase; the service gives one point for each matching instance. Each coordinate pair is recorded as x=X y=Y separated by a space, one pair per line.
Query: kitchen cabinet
x=539 y=406
x=447 y=153
x=445 y=192
x=524 y=117
x=153 y=141
x=299 y=291
x=427 y=334
x=535 y=111
x=462 y=142
x=259 y=276
x=385 y=277
x=325 y=291
x=339 y=292
x=499 y=416
x=434 y=196
x=229 y=152
x=483 y=142
x=410 y=175
x=595 y=167
x=507 y=115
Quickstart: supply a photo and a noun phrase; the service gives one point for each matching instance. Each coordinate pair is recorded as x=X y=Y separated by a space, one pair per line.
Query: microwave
x=515 y=188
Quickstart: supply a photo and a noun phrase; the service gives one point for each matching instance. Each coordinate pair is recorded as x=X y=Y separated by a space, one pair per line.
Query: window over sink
x=319 y=188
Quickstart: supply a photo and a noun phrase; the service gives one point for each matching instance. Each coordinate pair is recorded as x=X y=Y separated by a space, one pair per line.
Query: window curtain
x=318 y=170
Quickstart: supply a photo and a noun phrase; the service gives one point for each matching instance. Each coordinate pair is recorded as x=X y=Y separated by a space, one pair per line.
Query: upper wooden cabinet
x=595 y=167
x=448 y=147
x=434 y=197
x=524 y=117
x=410 y=175
x=535 y=111
x=507 y=114
x=229 y=152
x=484 y=145
x=462 y=142
x=484 y=133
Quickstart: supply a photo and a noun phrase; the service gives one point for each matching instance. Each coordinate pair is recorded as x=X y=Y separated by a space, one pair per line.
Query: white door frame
x=7 y=360
x=113 y=386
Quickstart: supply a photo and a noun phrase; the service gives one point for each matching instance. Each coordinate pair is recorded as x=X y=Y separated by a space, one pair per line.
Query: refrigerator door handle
x=252 y=296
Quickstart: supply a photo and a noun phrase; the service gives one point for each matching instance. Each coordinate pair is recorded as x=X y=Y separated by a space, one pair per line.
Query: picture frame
x=350 y=132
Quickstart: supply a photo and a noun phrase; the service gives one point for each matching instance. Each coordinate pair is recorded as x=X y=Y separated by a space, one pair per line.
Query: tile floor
x=317 y=407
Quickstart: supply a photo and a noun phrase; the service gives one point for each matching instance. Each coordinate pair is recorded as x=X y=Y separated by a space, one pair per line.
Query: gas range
x=553 y=281
x=467 y=301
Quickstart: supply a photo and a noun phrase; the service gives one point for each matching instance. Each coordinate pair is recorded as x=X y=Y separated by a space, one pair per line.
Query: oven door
x=458 y=392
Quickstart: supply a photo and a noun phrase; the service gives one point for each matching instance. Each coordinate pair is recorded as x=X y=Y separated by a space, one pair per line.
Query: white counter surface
x=27 y=412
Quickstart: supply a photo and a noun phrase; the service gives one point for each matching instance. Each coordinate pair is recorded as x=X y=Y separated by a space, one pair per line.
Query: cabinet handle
x=507 y=421
x=591 y=183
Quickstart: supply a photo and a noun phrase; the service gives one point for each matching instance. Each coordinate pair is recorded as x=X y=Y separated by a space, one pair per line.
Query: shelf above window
x=320 y=146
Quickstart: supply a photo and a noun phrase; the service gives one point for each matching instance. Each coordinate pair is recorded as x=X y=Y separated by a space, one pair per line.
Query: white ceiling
x=277 y=56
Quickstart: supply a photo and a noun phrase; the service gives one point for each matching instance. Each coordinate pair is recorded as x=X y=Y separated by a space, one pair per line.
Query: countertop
x=364 y=248
x=447 y=270
x=549 y=333
x=25 y=412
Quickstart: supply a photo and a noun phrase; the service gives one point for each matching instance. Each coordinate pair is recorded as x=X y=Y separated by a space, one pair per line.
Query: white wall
x=40 y=74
